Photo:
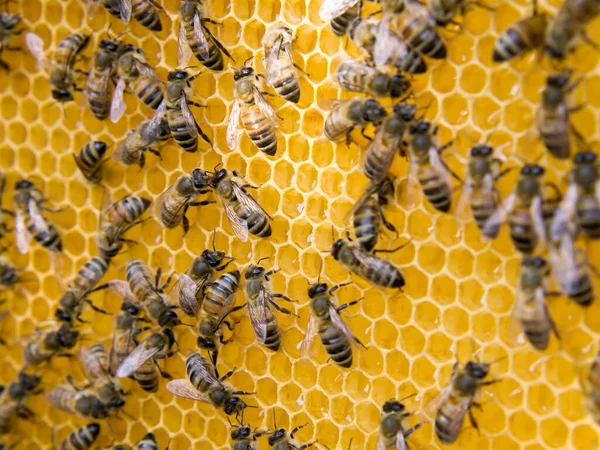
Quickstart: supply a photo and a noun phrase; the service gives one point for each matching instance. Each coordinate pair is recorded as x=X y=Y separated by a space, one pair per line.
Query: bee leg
x=300 y=69
x=207 y=20
x=162 y=373
x=413 y=429
x=285 y=297
x=473 y=421
x=281 y=309
x=95 y=308
x=346 y=305
x=362 y=132
x=298 y=428
x=393 y=250
x=203 y=135
x=224 y=266
x=310 y=444
x=348 y=138
x=227 y=375
x=218 y=44
x=4 y=66
x=336 y=287
x=72 y=382
x=25 y=413
x=154 y=152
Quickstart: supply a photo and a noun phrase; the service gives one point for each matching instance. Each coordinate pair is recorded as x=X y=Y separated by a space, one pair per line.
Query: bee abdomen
x=223 y=287
x=336 y=345
x=581 y=290
x=446 y=427
x=537 y=333
x=366 y=226
x=511 y=43
x=588 y=219
x=428 y=43
x=521 y=231
x=339 y=24
x=146 y=376
x=34 y=355
x=385 y=275
x=215 y=57
x=112 y=7
x=83 y=438
x=260 y=130
x=557 y=143
x=288 y=88
x=411 y=63
x=481 y=213
x=273 y=339
x=437 y=192
x=149 y=92
x=145 y=13
x=184 y=135
x=259 y=225
x=47 y=237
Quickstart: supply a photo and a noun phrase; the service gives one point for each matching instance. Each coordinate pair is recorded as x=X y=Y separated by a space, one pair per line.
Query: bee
x=391 y=430
x=195 y=38
x=427 y=168
x=457 y=399
x=74 y=299
x=523 y=209
x=567 y=27
x=4 y=229
x=591 y=389
x=388 y=140
x=123 y=214
x=133 y=70
x=553 y=116
x=280 y=439
x=335 y=335
x=80 y=402
x=366 y=78
x=83 y=438
x=280 y=67
x=127 y=328
x=171 y=207
x=140 y=363
x=384 y=45
x=522 y=36
x=183 y=126
x=479 y=192
x=61 y=68
x=243 y=438
x=13 y=398
x=29 y=221
x=49 y=343
x=581 y=203
x=9 y=274
x=530 y=308
x=368 y=214
x=260 y=300
x=8 y=25
x=146 y=13
x=205 y=385
x=442 y=12
x=90 y=159
x=367 y=266
x=95 y=363
x=97 y=88
x=256 y=114
x=132 y=149
x=419 y=33
x=349 y=114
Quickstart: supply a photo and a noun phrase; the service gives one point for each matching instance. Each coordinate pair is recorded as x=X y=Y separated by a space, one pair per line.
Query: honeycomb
x=460 y=288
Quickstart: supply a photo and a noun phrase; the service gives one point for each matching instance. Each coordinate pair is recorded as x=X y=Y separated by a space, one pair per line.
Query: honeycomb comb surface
x=458 y=286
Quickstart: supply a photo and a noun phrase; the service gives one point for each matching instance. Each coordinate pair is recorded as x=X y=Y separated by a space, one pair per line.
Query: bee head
x=559 y=80
x=234 y=404
x=406 y=111
x=201 y=178
x=220 y=175
x=317 y=289
x=533 y=170
x=254 y=271
x=67 y=337
x=477 y=369
x=392 y=406
x=554 y=52
x=382 y=84
x=373 y=111
x=118 y=403
x=169 y=319
x=213 y=257
x=188 y=9
x=277 y=436
x=243 y=73
x=170 y=336
x=536 y=262
x=337 y=247
x=63 y=316
x=110 y=45
x=29 y=381
x=482 y=150
x=205 y=342
x=23 y=184
x=62 y=95
x=130 y=308
x=585 y=172
x=399 y=86
x=241 y=432
x=178 y=75
x=9 y=277
x=421 y=127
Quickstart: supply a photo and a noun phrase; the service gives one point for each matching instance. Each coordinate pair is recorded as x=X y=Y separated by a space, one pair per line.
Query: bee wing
x=431 y=408
x=309 y=336
x=234 y=130
x=515 y=328
x=412 y=193
x=154 y=125
x=184 y=52
x=371 y=189
x=380 y=444
x=125 y=9
x=272 y=64
x=463 y=204
x=436 y=162
x=538 y=219
x=499 y=216
x=136 y=359
x=337 y=320
x=238 y=225
x=157 y=205
x=113 y=360
x=247 y=200
x=184 y=294
x=199 y=31
x=265 y=106
x=35 y=215
x=564 y=263
x=183 y=389
x=564 y=214
x=330 y=9
x=257 y=311
x=91 y=7
x=22 y=234
x=383 y=50
x=121 y=289
x=35 y=45
x=226 y=308
x=147 y=70
x=117 y=105
x=185 y=110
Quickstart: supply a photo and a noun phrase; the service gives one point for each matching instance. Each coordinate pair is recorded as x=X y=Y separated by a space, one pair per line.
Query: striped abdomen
x=127 y=210
x=146 y=14
x=147 y=377
x=410 y=62
x=37 y=352
x=588 y=215
x=82 y=439
x=274 y=335
x=44 y=232
x=339 y=24
x=223 y=287
x=91 y=273
x=192 y=368
x=260 y=128
x=112 y=6
x=435 y=187
x=287 y=84
x=215 y=57
x=148 y=90
x=184 y=133
x=483 y=205
x=337 y=123
x=423 y=38
x=69 y=48
x=521 y=230
x=367 y=225
x=449 y=418
x=536 y=324
x=554 y=132
x=139 y=278
x=258 y=222
x=379 y=272
x=580 y=289
x=97 y=361
x=336 y=343
x=90 y=160
x=97 y=90
x=525 y=35
x=380 y=154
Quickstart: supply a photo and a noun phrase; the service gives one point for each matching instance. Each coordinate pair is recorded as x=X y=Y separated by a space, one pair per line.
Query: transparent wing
x=438 y=165
x=160 y=201
x=380 y=444
x=463 y=209
x=22 y=234
x=257 y=311
x=431 y=408
x=125 y=8
x=309 y=336
x=412 y=193
x=35 y=215
x=147 y=70
x=371 y=189
x=185 y=110
x=330 y=9
x=499 y=216
x=597 y=191
x=184 y=294
x=272 y=64
x=117 y=105
x=339 y=322
x=183 y=389
x=564 y=214
x=152 y=128
x=184 y=52
x=238 y=225
x=121 y=289
x=400 y=441
x=136 y=359
x=385 y=161
x=91 y=7
x=515 y=329
x=35 y=44
x=383 y=50
x=265 y=106
x=199 y=31
x=226 y=308
x=538 y=219
x=234 y=129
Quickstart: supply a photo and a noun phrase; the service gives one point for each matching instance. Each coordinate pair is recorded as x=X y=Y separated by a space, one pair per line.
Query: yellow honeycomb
x=459 y=286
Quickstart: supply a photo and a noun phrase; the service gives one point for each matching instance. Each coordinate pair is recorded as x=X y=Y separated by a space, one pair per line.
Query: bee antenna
x=498 y=360
x=407 y=397
x=108 y=30
x=213 y=239
x=474 y=349
x=320 y=269
x=215 y=169
x=274 y=419
x=262 y=259
x=122 y=34
x=248 y=60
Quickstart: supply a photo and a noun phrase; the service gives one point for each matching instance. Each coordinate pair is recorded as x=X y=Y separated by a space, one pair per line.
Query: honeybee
x=83 y=438
x=256 y=114
x=95 y=363
x=13 y=398
x=280 y=67
x=132 y=149
x=391 y=430
x=205 y=385
x=195 y=38
x=591 y=389
x=456 y=400
x=367 y=266
x=419 y=32
x=388 y=140
x=148 y=442
x=349 y=114
x=368 y=214
x=427 y=169
x=133 y=70
x=260 y=300
x=97 y=88
x=243 y=438
x=553 y=116
x=522 y=36
x=280 y=439
x=127 y=327
x=123 y=214
x=340 y=14
x=567 y=27
x=4 y=229
x=523 y=209
x=8 y=25
x=442 y=12
x=49 y=343
x=9 y=274
x=80 y=402
x=74 y=299
x=530 y=308
x=384 y=45
x=581 y=202
x=478 y=191
x=90 y=159
x=61 y=68
x=356 y=76
x=171 y=207
x=325 y=320
x=29 y=221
